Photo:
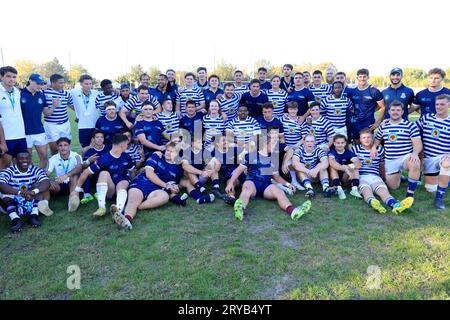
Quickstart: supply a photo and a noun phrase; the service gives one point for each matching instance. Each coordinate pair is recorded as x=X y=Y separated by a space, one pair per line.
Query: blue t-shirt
x=275 y=122
x=303 y=98
x=254 y=104
x=160 y=96
x=32 y=107
x=403 y=94
x=266 y=85
x=117 y=167
x=209 y=95
x=167 y=172
x=189 y=123
x=342 y=158
x=427 y=100
x=260 y=168
x=152 y=130
x=109 y=127
x=365 y=104
x=92 y=151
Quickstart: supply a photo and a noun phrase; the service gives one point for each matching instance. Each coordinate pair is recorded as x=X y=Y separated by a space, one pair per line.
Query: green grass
x=202 y=252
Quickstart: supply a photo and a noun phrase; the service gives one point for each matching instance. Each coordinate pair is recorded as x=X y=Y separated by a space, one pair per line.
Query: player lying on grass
x=112 y=169
x=23 y=187
x=66 y=165
x=260 y=171
x=344 y=167
x=369 y=174
x=160 y=182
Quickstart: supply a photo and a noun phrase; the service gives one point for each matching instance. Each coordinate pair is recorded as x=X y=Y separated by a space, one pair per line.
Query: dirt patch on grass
x=277 y=286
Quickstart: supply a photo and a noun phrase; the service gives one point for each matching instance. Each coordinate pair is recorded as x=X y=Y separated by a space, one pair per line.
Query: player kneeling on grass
x=311 y=164
x=66 y=165
x=155 y=186
x=260 y=171
x=112 y=169
x=344 y=167
x=402 y=145
x=369 y=175
x=23 y=186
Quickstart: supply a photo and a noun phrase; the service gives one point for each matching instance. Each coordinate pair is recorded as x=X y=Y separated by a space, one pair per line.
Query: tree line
x=412 y=77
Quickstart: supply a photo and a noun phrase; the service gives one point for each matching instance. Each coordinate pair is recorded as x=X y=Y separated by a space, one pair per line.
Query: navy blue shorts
x=16 y=146
x=145 y=187
x=85 y=136
x=116 y=180
x=261 y=186
x=65 y=189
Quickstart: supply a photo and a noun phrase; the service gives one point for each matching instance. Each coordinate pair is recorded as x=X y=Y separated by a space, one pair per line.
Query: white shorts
x=432 y=165
x=342 y=131
x=392 y=166
x=55 y=131
x=36 y=140
x=371 y=180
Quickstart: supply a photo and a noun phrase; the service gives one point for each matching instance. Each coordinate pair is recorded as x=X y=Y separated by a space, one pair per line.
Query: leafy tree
x=24 y=69
x=76 y=70
x=153 y=72
x=225 y=71
x=51 y=67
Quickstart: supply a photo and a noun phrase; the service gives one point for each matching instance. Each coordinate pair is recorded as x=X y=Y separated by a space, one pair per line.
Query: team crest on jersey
x=318 y=99
x=24 y=100
x=403 y=95
x=392 y=137
x=435 y=133
x=23 y=187
x=213 y=130
x=291 y=130
x=337 y=111
x=169 y=126
x=368 y=161
x=231 y=110
x=242 y=132
x=274 y=103
x=312 y=131
x=386 y=97
x=40 y=101
x=308 y=165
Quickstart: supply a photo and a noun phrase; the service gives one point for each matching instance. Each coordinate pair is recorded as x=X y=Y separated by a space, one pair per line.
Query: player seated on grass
x=134 y=150
x=66 y=165
x=436 y=147
x=96 y=150
x=311 y=164
x=320 y=127
x=344 y=167
x=402 y=146
x=224 y=160
x=370 y=183
x=112 y=169
x=149 y=131
x=260 y=171
x=160 y=182
x=23 y=187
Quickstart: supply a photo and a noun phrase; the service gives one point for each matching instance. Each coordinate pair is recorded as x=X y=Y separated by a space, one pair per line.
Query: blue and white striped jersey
x=369 y=166
x=335 y=109
x=134 y=152
x=190 y=94
x=241 y=90
x=292 y=131
x=134 y=104
x=245 y=129
x=309 y=159
x=101 y=99
x=278 y=99
x=230 y=106
x=170 y=122
x=212 y=127
x=321 y=92
x=321 y=128
x=60 y=115
x=396 y=138
x=17 y=179
x=435 y=135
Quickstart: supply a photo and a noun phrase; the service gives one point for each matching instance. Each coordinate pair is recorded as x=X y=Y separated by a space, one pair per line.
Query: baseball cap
x=124 y=86
x=37 y=78
x=397 y=70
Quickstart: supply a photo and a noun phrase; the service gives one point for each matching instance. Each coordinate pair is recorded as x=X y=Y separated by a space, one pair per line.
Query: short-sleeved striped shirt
x=16 y=179
x=320 y=128
x=369 y=166
x=243 y=130
x=278 y=99
x=436 y=135
x=230 y=106
x=292 y=131
x=212 y=127
x=101 y=99
x=321 y=92
x=396 y=138
x=335 y=109
x=190 y=94
x=60 y=115
x=309 y=159
x=135 y=104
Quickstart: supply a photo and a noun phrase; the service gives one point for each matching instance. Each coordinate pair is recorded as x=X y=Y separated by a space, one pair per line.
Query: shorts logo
x=435 y=133
x=392 y=137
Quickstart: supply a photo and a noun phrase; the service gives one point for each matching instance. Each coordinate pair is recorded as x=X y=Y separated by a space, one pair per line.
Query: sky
x=107 y=37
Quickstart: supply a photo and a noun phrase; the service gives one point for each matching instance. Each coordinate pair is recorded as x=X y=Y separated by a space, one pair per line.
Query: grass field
x=202 y=252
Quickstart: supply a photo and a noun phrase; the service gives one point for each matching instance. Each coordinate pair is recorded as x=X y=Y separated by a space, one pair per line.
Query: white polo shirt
x=60 y=167
x=85 y=110
x=11 y=114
